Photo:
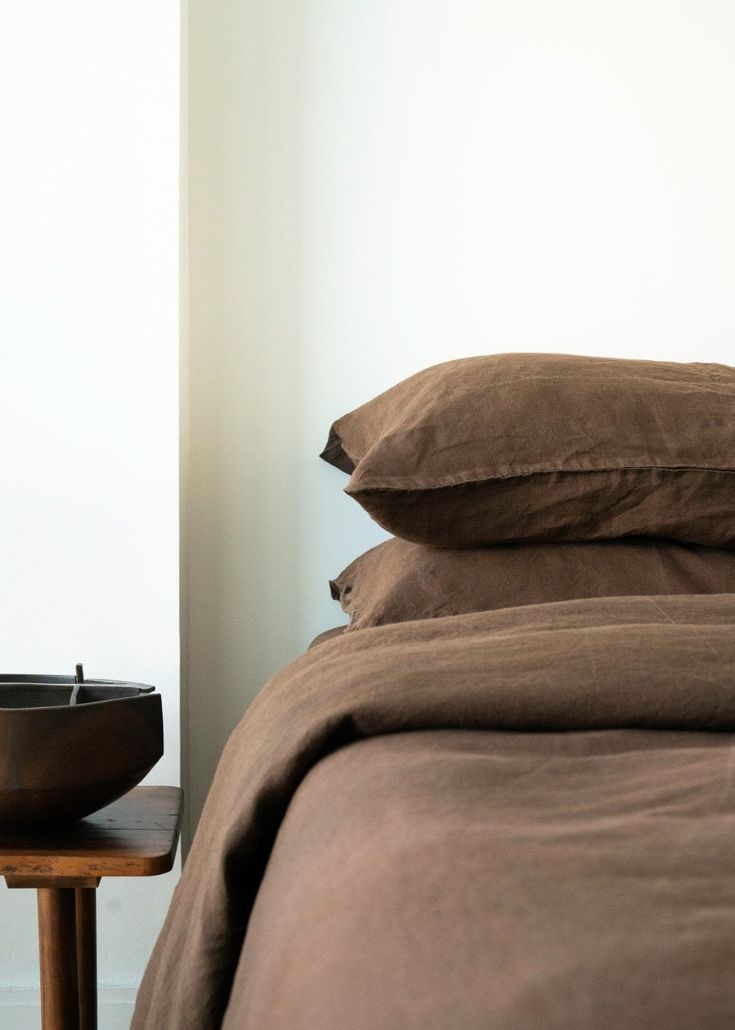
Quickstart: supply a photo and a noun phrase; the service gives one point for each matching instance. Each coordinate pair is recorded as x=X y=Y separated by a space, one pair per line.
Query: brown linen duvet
x=517 y=819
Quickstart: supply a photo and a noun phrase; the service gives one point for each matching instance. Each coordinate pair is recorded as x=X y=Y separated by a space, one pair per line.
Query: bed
x=500 y=798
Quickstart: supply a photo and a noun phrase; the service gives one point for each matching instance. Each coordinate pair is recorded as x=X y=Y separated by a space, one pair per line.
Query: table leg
x=86 y=913
x=58 y=951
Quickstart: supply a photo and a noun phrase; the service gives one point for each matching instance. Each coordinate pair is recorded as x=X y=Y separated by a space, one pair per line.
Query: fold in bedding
x=517 y=819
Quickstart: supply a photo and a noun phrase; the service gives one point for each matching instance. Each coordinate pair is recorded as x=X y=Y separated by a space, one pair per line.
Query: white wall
x=375 y=187
x=88 y=379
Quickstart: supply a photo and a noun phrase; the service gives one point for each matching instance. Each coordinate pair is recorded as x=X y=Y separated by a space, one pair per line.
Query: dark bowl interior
x=70 y=749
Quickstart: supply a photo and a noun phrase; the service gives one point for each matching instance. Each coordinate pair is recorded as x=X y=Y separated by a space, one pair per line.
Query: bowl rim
x=12 y=679
x=50 y=682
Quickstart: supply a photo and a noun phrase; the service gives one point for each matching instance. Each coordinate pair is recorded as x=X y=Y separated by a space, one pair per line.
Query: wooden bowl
x=69 y=749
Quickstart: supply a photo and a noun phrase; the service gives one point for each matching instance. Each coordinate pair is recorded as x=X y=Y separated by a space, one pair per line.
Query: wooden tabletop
x=134 y=836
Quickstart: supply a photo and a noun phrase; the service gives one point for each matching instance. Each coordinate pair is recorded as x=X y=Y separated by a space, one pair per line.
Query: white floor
x=21 y=1009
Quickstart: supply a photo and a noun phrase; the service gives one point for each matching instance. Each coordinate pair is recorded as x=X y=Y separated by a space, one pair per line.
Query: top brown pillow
x=546 y=447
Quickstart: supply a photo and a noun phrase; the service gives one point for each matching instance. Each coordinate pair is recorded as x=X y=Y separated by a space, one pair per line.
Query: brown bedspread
x=545 y=877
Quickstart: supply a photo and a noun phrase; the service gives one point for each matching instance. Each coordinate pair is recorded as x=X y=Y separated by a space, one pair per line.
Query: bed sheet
x=474 y=879
x=577 y=755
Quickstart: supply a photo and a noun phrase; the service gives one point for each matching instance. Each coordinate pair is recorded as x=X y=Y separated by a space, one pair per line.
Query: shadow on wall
x=244 y=288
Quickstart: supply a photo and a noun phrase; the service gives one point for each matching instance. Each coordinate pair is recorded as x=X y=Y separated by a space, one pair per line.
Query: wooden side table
x=135 y=836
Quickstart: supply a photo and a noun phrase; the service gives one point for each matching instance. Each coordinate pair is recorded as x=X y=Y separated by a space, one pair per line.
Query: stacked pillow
x=537 y=462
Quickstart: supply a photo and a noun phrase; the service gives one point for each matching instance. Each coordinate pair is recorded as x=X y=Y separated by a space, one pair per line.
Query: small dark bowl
x=67 y=750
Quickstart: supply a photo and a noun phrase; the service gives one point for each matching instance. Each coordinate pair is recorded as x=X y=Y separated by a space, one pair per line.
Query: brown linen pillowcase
x=398 y=581
x=546 y=447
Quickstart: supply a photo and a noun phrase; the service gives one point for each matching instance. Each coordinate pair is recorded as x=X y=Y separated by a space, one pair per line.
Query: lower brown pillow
x=398 y=581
